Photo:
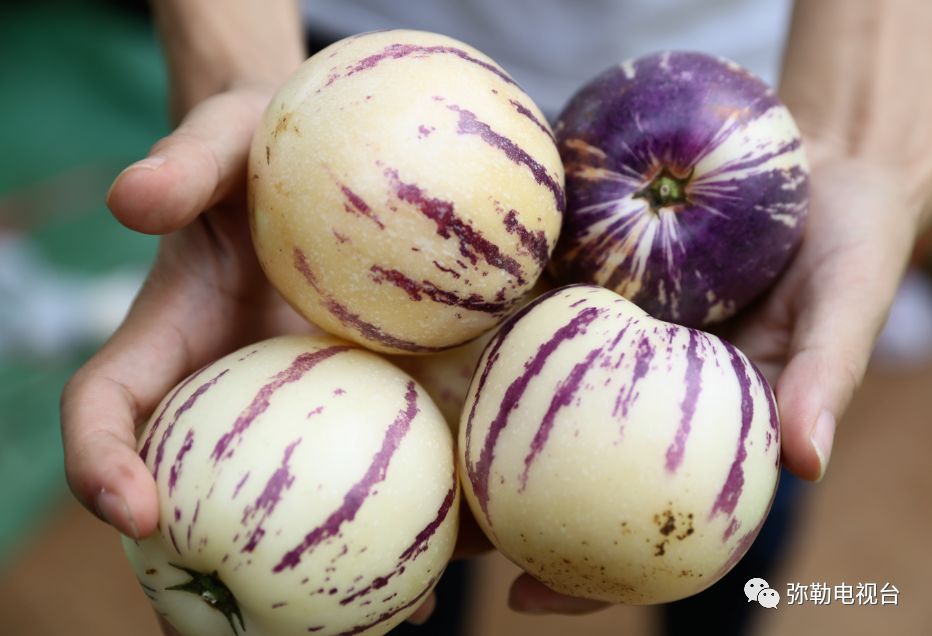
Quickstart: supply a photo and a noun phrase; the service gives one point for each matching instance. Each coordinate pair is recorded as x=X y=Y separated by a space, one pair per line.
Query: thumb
x=197 y=165
x=861 y=245
x=529 y=596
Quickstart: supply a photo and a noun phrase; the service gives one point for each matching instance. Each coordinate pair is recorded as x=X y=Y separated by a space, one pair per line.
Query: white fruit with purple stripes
x=614 y=456
x=404 y=191
x=305 y=486
x=446 y=375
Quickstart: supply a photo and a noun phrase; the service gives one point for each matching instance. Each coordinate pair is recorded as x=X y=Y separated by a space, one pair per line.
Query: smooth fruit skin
x=310 y=478
x=614 y=456
x=687 y=186
x=404 y=192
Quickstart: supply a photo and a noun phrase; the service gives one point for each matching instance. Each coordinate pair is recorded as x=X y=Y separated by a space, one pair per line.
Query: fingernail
x=113 y=509
x=821 y=437
x=149 y=163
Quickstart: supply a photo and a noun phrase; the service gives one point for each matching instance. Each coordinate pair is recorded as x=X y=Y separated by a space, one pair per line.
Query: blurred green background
x=83 y=95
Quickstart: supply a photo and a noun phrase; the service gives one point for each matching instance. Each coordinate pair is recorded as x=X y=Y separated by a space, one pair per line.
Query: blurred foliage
x=84 y=94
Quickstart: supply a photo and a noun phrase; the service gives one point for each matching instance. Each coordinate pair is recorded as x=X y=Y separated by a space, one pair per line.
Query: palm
x=224 y=300
x=851 y=256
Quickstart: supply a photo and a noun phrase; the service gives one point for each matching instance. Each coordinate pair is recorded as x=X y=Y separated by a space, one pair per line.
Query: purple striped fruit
x=687 y=186
x=305 y=486
x=614 y=456
x=404 y=191
x=446 y=375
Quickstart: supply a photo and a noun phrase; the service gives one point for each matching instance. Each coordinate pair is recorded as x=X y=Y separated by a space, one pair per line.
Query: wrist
x=903 y=180
x=212 y=47
x=849 y=78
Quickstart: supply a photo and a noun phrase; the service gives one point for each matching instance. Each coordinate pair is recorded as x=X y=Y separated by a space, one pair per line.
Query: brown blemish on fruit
x=151 y=571
x=661 y=548
x=268 y=156
x=689 y=527
x=668 y=522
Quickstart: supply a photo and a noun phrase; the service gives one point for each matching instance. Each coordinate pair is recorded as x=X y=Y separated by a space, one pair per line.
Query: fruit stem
x=210 y=589
x=665 y=190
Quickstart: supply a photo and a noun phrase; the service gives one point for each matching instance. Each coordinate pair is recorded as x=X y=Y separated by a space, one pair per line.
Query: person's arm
x=211 y=47
x=855 y=78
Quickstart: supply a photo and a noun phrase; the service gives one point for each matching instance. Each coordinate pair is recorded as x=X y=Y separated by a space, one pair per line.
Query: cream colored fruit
x=446 y=375
x=305 y=486
x=404 y=192
x=614 y=456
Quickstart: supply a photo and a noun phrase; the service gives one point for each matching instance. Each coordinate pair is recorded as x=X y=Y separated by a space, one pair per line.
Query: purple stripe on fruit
x=268 y=499
x=563 y=396
x=452 y=272
x=402 y=50
x=642 y=357
x=774 y=435
x=534 y=242
x=186 y=405
x=490 y=355
x=479 y=471
x=693 y=383
x=353 y=321
x=392 y=612
x=744 y=544
x=355 y=205
x=420 y=544
x=416 y=290
x=240 y=484
x=357 y=495
x=471 y=242
x=144 y=451
x=175 y=470
x=197 y=511
x=469 y=124
x=301 y=365
x=731 y=491
x=523 y=110
x=420 y=541
x=171 y=536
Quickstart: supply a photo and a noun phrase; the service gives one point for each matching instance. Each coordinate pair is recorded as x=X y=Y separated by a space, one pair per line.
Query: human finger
x=191 y=169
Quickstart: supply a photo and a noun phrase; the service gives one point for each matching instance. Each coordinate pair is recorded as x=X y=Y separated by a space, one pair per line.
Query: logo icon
x=759 y=590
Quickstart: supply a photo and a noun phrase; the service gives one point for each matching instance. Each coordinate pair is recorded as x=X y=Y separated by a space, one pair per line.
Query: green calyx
x=665 y=190
x=210 y=589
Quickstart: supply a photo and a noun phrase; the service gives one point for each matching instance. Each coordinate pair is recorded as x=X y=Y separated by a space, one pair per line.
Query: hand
x=813 y=334
x=205 y=296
